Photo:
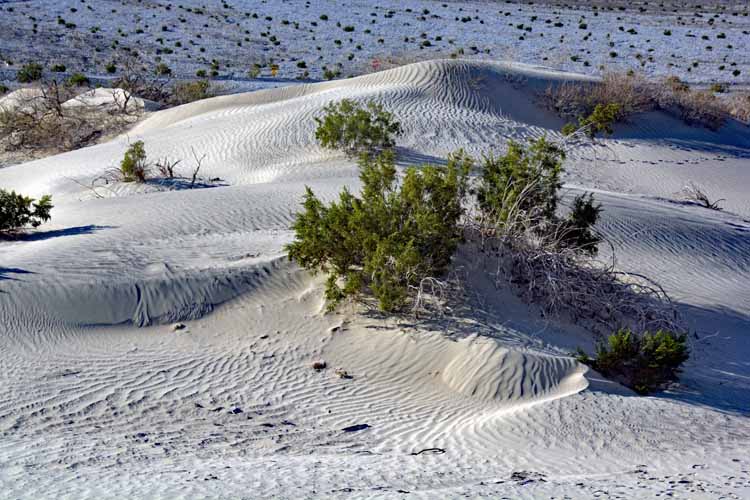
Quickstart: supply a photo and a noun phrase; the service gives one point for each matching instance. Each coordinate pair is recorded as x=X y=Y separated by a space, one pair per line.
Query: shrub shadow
x=55 y=233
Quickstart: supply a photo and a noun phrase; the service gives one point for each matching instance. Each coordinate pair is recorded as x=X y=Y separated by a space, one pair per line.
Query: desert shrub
x=355 y=129
x=630 y=93
x=674 y=84
x=695 y=107
x=523 y=186
x=3 y=89
x=693 y=193
x=184 y=92
x=600 y=120
x=134 y=166
x=737 y=105
x=646 y=362
x=162 y=69
x=77 y=80
x=391 y=238
x=58 y=68
x=30 y=72
x=18 y=211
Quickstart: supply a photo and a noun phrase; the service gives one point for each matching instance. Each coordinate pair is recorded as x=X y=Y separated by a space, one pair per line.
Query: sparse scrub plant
x=185 y=92
x=645 y=362
x=30 y=72
x=77 y=80
x=356 y=129
x=134 y=166
x=526 y=181
x=18 y=211
x=391 y=238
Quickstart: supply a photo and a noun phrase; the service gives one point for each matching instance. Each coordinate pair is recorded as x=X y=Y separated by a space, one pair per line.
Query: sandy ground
x=100 y=397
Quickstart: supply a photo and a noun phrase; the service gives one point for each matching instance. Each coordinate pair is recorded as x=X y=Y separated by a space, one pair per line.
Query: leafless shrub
x=565 y=282
x=694 y=193
x=136 y=78
x=433 y=296
x=197 y=169
x=38 y=122
x=165 y=167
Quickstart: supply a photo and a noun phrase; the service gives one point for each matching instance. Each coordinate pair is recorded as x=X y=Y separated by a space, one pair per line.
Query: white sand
x=91 y=406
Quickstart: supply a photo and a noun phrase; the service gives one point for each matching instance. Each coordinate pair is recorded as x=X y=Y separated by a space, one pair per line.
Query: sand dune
x=101 y=396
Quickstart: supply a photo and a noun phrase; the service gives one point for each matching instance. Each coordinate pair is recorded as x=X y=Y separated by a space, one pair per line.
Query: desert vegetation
x=622 y=95
x=397 y=241
x=355 y=129
x=18 y=211
x=646 y=362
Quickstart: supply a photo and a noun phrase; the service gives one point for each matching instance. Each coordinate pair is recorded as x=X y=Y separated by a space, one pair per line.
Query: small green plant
x=162 y=70
x=18 y=211
x=30 y=72
x=111 y=68
x=254 y=71
x=134 y=167
x=355 y=129
x=77 y=80
x=390 y=239
x=58 y=68
x=645 y=363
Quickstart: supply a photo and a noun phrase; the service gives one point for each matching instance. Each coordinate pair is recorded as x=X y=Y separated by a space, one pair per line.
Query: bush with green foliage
x=30 y=72
x=392 y=237
x=77 y=80
x=600 y=120
x=18 y=211
x=347 y=126
x=522 y=187
x=134 y=167
x=645 y=363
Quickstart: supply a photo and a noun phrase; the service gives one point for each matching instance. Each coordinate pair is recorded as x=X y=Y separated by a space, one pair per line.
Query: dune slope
x=100 y=396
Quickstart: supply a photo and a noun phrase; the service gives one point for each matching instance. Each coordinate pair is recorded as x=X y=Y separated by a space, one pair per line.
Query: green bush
x=522 y=188
x=162 y=69
x=645 y=363
x=18 y=211
x=600 y=120
x=3 y=89
x=58 y=68
x=524 y=180
x=30 y=72
x=355 y=129
x=133 y=166
x=391 y=238
x=77 y=80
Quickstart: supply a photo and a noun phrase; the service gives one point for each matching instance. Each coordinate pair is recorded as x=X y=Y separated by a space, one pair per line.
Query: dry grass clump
x=185 y=92
x=633 y=94
x=576 y=99
x=738 y=106
x=694 y=107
